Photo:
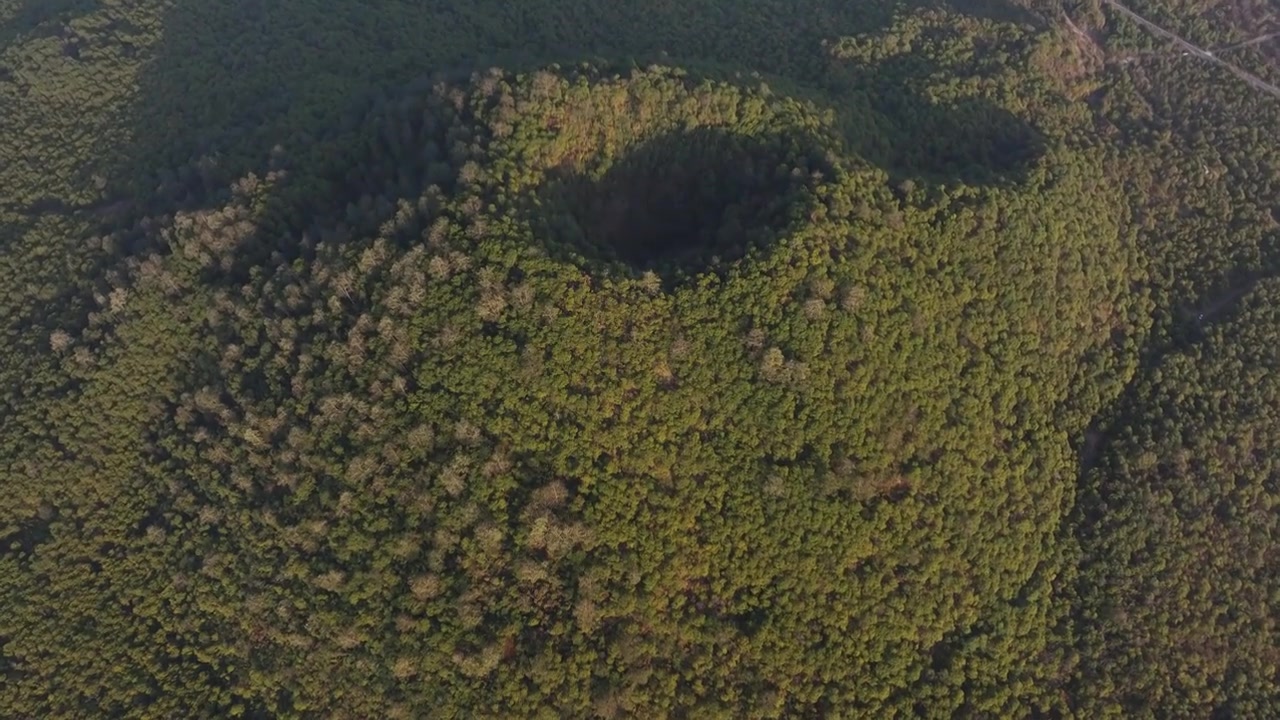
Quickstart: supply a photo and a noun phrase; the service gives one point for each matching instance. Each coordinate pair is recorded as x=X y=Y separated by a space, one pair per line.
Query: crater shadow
x=971 y=141
x=895 y=125
x=678 y=204
x=234 y=79
x=228 y=83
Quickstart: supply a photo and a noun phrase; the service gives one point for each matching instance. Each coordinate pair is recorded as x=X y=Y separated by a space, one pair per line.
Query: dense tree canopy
x=751 y=359
x=1179 y=582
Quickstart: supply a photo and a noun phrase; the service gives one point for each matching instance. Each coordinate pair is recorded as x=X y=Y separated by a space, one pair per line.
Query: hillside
x=756 y=359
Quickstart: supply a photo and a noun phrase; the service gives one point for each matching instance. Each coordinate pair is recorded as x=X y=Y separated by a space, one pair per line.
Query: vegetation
x=756 y=359
x=1178 y=585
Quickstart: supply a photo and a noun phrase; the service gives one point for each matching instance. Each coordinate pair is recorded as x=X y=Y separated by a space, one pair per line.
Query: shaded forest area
x=577 y=359
x=648 y=211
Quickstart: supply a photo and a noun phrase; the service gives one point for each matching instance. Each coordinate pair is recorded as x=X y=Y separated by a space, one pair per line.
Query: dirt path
x=1247 y=43
x=1216 y=305
x=1090 y=43
x=1091 y=449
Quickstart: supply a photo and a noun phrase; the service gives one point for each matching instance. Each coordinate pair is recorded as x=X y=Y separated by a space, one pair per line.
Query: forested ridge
x=578 y=359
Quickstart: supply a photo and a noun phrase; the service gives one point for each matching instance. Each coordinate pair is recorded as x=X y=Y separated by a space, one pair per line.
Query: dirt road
x=1193 y=49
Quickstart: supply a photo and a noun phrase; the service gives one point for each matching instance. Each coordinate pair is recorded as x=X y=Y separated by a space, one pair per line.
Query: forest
x=572 y=359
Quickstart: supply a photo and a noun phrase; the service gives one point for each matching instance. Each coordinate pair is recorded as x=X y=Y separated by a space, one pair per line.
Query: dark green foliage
x=799 y=359
x=1179 y=580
